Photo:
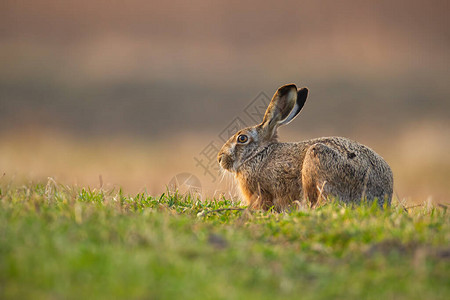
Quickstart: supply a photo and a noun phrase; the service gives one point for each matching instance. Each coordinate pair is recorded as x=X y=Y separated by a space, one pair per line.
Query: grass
x=59 y=242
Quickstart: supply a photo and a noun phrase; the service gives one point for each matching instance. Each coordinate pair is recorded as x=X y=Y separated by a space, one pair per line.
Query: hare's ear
x=284 y=107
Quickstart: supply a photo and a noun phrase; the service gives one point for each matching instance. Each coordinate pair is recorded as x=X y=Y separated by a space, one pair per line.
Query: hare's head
x=249 y=142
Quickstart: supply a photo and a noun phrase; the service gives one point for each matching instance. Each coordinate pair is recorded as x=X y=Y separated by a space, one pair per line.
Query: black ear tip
x=286 y=89
x=302 y=93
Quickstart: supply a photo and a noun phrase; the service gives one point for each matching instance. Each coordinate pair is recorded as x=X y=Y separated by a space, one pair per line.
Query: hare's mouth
x=225 y=162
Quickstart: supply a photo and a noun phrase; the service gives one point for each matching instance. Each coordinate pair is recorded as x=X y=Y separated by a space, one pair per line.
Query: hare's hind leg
x=327 y=172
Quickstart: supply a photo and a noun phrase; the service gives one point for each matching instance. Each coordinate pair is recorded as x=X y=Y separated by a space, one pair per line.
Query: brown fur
x=273 y=174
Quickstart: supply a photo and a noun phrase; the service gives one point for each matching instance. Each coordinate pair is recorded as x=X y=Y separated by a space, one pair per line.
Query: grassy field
x=60 y=242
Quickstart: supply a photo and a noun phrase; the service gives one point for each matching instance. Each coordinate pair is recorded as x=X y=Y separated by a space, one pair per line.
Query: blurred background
x=131 y=93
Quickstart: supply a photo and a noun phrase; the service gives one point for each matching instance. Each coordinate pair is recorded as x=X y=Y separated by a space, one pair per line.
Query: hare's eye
x=242 y=138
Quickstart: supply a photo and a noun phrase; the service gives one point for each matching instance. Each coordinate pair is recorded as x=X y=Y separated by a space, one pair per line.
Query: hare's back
x=348 y=165
x=349 y=149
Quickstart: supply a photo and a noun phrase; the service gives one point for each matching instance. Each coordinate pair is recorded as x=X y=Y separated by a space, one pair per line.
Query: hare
x=274 y=175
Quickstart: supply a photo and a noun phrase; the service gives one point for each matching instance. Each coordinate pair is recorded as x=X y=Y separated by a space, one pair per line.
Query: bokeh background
x=131 y=93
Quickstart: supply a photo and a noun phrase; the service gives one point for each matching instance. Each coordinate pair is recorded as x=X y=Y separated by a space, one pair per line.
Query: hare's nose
x=219 y=158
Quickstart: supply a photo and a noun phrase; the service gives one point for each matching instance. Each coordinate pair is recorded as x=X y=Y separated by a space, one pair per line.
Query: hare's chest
x=275 y=183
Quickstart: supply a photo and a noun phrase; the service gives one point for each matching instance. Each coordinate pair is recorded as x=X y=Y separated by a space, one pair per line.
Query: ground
x=66 y=242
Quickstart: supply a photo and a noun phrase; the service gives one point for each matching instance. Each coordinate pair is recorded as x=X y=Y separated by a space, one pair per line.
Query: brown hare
x=273 y=174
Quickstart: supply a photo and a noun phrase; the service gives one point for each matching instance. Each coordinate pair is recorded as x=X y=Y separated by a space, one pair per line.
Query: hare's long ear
x=284 y=107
